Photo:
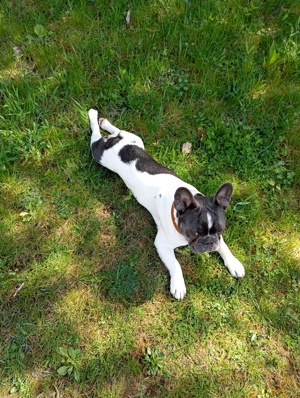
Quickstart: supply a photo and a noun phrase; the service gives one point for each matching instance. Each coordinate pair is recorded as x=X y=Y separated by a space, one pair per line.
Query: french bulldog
x=182 y=214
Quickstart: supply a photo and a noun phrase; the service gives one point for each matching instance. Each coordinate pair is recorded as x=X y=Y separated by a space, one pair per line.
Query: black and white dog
x=182 y=214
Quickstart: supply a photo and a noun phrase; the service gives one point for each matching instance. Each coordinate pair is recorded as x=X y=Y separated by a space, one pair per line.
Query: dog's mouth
x=204 y=244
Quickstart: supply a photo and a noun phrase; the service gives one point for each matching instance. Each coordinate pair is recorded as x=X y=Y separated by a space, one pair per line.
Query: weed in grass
x=255 y=339
x=28 y=145
x=31 y=203
x=273 y=57
x=19 y=386
x=42 y=35
x=153 y=361
x=180 y=80
x=70 y=363
x=283 y=176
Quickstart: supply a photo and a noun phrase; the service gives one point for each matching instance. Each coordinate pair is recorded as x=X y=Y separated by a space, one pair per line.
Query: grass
x=85 y=305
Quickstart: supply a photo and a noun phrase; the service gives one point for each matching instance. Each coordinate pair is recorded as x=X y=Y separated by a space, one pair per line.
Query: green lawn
x=85 y=308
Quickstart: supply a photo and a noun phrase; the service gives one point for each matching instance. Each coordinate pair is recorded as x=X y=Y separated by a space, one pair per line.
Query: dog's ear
x=223 y=195
x=183 y=200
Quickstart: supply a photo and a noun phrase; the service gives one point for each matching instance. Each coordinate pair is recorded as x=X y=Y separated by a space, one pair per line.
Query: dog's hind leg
x=130 y=137
x=96 y=134
x=114 y=131
x=107 y=126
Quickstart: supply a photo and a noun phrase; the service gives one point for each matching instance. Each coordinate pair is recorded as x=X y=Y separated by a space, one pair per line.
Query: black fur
x=98 y=147
x=145 y=163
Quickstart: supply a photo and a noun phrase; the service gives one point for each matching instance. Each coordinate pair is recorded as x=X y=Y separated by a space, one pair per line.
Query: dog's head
x=201 y=219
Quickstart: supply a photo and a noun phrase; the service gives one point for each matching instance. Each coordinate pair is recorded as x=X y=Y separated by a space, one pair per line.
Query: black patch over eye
x=217 y=229
x=200 y=231
x=212 y=230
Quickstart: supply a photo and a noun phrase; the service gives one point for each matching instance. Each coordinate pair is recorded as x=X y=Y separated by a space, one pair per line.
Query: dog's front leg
x=177 y=284
x=231 y=263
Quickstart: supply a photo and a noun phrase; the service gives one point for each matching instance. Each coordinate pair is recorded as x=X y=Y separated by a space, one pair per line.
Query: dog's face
x=202 y=219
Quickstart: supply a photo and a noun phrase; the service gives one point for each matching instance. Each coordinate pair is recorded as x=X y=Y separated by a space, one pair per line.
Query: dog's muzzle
x=203 y=244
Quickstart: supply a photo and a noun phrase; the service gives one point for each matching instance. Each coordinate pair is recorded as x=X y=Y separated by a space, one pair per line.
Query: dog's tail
x=93 y=116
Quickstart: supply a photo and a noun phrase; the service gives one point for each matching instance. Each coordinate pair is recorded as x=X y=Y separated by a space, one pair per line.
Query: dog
x=182 y=214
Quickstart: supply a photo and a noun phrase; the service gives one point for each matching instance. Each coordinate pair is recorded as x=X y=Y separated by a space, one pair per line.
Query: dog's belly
x=151 y=191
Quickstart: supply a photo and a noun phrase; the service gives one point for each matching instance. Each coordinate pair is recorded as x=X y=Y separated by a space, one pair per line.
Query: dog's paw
x=235 y=267
x=103 y=122
x=178 y=289
x=93 y=114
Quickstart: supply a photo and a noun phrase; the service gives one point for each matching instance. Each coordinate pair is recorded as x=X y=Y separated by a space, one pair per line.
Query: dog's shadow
x=126 y=267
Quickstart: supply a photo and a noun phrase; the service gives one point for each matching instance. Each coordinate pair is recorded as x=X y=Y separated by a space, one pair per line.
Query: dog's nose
x=207 y=243
x=208 y=240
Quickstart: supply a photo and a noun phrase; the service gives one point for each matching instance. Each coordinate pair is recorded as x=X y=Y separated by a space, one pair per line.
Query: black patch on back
x=104 y=143
x=145 y=163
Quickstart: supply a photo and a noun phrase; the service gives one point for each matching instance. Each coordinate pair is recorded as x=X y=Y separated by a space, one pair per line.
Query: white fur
x=93 y=116
x=231 y=263
x=156 y=194
x=209 y=221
